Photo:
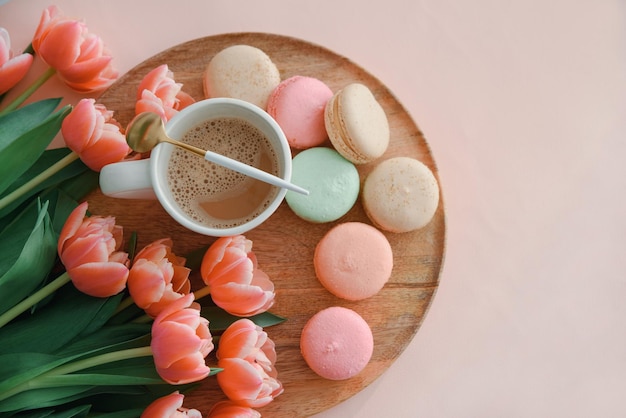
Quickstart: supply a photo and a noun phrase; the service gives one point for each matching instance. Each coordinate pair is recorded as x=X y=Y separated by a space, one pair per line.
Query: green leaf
x=77 y=412
x=47 y=159
x=140 y=398
x=101 y=379
x=101 y=397
x=194 y=258
x=219 y=319
x=110 y=338
x=43 y=398
x=79 y=186
x=19 y=368
x=126 y=413
x=27 y=254
x=73 y=412
x=61 y=205
x=71 y=314
x=16 y=123
x=18 y=155
x=132 y=246
x=127 y=315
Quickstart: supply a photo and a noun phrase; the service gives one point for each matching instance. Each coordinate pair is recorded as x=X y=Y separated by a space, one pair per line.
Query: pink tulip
x=229 y=409
x=247 y=383
x=89 y=250
x=79 y=57
x=247 y=356
x=91 y=132
x=158 y=277
x=245 y=340
x=170 y=406
x=12 y=68
x=229 y=268
x=180 y=341
x=159 y=93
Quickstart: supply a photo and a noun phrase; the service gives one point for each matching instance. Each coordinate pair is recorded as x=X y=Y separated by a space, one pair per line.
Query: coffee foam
x=194 y=181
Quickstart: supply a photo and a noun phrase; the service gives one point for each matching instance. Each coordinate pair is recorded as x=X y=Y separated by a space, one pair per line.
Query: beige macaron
x=400 y=194
x=357 y=124
x=242 y=72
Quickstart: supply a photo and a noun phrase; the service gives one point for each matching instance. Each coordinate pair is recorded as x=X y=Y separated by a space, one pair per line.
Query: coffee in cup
x=200 y=195
x=215 y=195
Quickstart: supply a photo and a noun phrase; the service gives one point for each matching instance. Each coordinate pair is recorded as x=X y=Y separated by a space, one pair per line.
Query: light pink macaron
x=298 y=104
x=337 y=343
x=353 y=260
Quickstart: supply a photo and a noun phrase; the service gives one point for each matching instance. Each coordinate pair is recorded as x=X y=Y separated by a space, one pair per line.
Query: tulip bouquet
x=90 y=325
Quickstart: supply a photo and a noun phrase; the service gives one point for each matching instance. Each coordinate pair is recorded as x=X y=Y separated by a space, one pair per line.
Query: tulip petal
x=229 y=409
x=234 y=267
x=102 y=279
x=152 y=79
x=5 y=46
x=109 y=148
x=165 y=406
x=13 y=70
x=239 y=340
x=145 y=283
x=239 y=379
x=79 y=126
x=186 y=370
x=85 y=249
x=242 y=300
x=60 y=46
x=178 y=342
x=84 y=71
x=72 y=224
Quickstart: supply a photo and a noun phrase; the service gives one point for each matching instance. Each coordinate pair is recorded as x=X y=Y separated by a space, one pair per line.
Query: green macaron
x=332 y=181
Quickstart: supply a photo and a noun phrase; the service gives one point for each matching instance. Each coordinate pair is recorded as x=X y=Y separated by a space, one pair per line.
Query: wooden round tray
x=284 y=245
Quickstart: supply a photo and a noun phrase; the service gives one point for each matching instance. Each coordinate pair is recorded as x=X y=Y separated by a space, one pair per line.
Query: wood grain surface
x=284 y=245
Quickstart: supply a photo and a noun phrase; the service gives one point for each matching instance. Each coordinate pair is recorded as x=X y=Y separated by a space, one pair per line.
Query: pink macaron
x=298 y=104
x=337 y=343
x=353 y=260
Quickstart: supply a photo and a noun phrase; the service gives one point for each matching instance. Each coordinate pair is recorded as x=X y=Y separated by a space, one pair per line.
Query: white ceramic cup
x=147 y=178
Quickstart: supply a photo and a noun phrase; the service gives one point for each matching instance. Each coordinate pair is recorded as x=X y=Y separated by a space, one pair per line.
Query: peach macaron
x=337 y=343
x=353 y=260
x=297 y=104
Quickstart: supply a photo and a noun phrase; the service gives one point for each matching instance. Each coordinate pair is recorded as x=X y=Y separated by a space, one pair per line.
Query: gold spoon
x=146 y=131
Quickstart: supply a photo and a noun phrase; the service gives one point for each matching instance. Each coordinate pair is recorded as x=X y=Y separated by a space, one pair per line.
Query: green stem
x=38 y=179
x=29 y=49
x=30 y=90
x=205 y=291
x=123 y=305
x=101 y=359
x=78 y=365
x=36 y=297
x=143 y=319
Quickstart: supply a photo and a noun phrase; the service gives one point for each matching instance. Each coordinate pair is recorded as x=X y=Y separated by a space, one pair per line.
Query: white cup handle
x=127 y=180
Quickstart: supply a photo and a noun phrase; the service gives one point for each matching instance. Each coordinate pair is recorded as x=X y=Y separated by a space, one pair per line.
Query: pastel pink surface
x=297 y=104
x=353 y=260
x=337 y=343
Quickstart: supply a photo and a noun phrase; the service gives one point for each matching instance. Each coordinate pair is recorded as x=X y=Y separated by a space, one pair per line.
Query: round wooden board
x=284 y=245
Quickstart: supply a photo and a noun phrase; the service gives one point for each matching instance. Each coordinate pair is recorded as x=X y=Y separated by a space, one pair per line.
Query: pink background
x=524 y=105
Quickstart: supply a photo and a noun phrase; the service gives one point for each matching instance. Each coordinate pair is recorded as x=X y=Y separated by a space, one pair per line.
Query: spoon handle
x=253 y=172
